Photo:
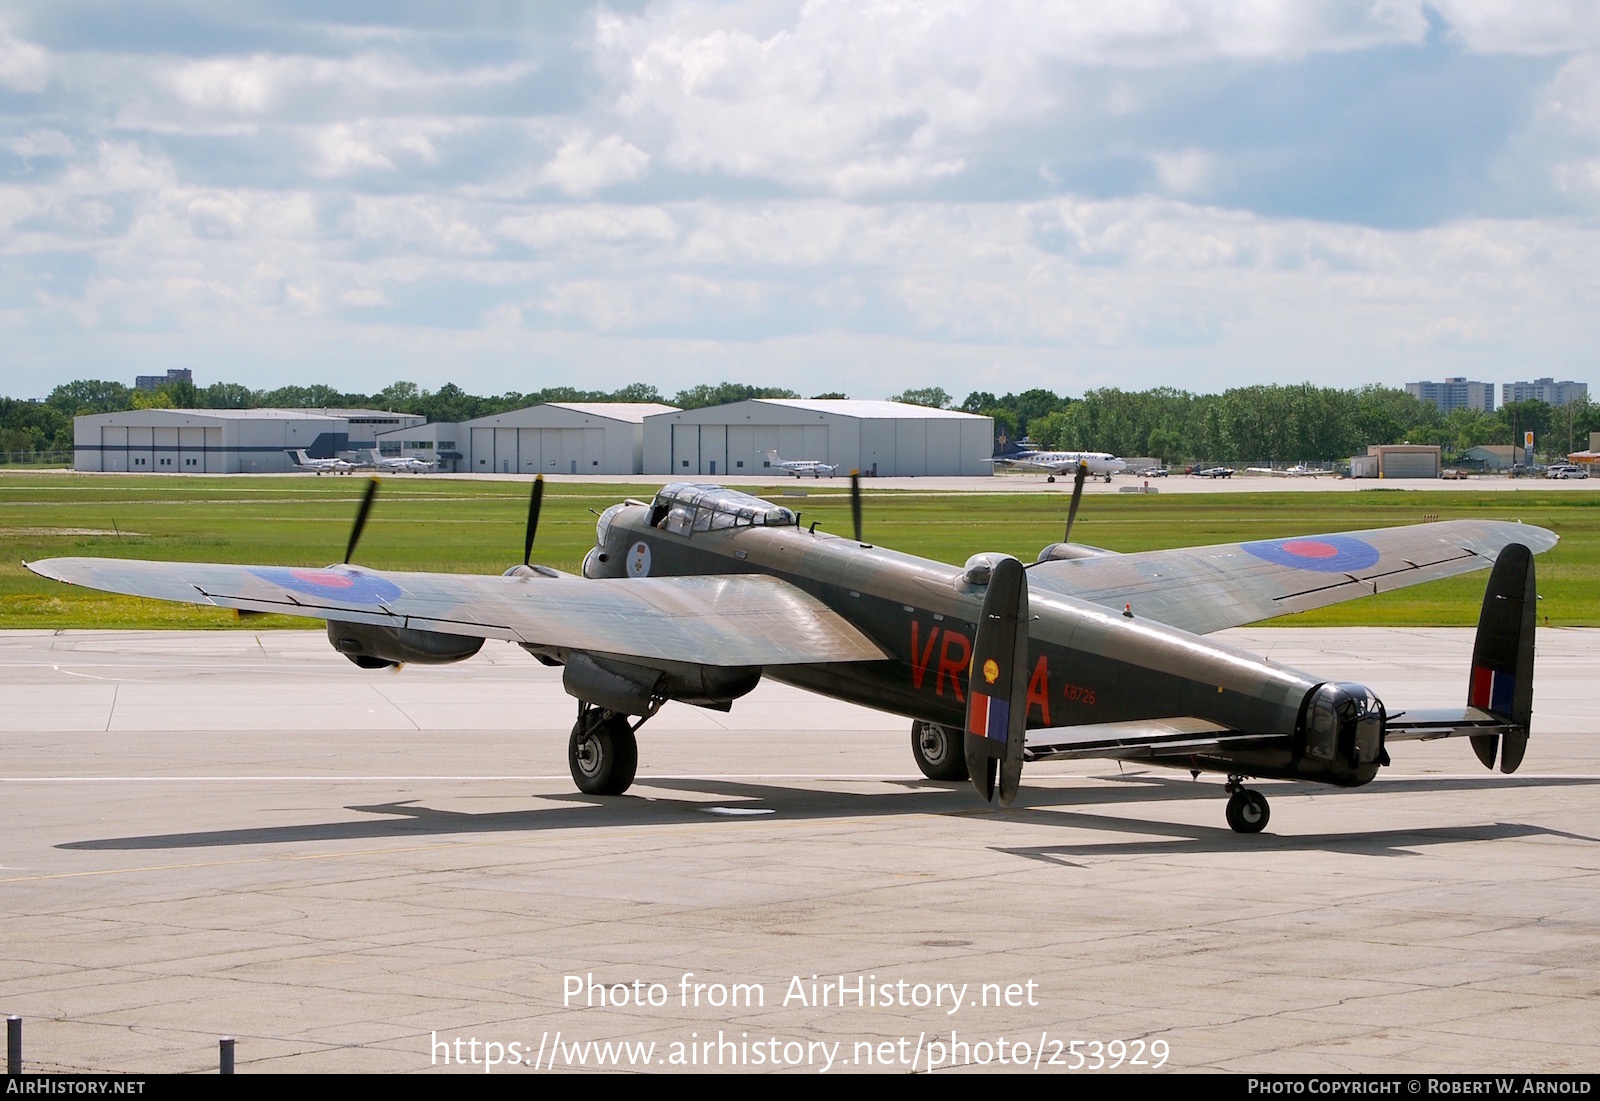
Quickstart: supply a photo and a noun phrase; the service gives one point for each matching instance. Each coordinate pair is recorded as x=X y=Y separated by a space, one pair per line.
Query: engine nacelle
x=374 y=647
x=630 y=689
x=1061 y=552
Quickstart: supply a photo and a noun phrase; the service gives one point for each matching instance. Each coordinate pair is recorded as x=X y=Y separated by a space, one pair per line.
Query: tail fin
x=1502 y=655
x=997 y=692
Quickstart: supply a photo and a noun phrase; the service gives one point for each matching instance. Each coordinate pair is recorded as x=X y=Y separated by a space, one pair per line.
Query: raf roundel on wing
x=350 y=587
x=1324 y=554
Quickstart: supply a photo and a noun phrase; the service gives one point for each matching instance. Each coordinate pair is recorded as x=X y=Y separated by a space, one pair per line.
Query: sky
x=862 y=196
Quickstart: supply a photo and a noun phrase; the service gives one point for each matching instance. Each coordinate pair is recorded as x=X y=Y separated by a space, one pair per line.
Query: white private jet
x=401 y=464
x=1101 y=464
x=799 y=467
x=318 y=466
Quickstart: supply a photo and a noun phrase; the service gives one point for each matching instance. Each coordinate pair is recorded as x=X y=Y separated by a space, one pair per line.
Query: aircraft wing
x=730 y=620
x=1204 y=589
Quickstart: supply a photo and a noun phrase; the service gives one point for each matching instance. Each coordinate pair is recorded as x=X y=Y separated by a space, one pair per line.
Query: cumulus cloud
x=1505 y=26
x=859 y=97
x=24 y=67
x=41 y=143
x=882 y=188
x=583 y=165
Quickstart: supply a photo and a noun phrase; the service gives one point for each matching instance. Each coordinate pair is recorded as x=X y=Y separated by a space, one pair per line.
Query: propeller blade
x=361 y=519
x=855 y=502
x=534 y=502
x=1077 y=495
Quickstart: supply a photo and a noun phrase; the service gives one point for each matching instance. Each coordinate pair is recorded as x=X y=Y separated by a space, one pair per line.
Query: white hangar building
x=576 y=437
x=882 y=438
x=223 y=441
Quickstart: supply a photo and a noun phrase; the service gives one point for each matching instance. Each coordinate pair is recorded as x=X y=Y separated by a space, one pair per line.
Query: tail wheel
x=602 y=754
x=938 y=751
x=1248 y=811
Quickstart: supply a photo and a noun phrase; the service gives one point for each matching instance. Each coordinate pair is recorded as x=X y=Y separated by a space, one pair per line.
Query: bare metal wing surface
x=734 y=620
x=1205 y=589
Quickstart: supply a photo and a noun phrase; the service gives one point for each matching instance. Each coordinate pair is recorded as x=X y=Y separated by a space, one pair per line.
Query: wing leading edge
x=732 y=620
x=1205 y=589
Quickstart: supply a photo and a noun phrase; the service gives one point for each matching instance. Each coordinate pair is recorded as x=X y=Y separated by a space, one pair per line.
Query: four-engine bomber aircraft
x=698 y=594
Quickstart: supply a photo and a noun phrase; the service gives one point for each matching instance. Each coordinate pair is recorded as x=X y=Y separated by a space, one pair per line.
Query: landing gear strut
x=1247 y=808
x=939 y=751
x=602 y=752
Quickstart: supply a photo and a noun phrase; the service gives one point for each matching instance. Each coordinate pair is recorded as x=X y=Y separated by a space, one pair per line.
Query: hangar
x=1397 y=460
x=574 y=437
x=223 y=441
x=884 y=438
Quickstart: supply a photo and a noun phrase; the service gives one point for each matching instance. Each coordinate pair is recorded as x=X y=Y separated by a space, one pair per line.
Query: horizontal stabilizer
x=1446 y=722
x=1140 y=739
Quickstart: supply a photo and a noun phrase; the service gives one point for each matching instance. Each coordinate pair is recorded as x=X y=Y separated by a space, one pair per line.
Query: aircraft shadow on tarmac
x=1042 y=804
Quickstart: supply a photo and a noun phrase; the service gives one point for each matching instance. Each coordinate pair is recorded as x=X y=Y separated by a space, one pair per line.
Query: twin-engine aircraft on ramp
x=1101 y=464
x=696 y=595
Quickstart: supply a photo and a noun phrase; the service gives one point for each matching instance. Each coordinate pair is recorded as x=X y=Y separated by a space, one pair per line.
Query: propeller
x=361 y=519
x=1077 y=496
x=855 y=502
x=534 y=503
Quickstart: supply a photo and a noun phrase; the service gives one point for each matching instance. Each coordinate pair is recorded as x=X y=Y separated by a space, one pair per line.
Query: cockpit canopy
x=683 y=507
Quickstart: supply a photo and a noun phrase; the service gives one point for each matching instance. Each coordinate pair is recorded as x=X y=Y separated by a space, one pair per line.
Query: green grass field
x=476 y=527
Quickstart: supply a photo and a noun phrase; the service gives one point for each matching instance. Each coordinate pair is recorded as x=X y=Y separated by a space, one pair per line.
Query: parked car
x=1566 y=470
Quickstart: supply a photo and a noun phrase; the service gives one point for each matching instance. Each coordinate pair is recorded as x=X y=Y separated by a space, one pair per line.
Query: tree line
x=47 y=425
x=1264 y=423
x=1251 y=423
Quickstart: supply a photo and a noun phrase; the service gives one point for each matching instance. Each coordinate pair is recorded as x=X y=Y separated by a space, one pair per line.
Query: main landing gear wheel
x=602 y=753
x=1051 y=478
x=938 y=750
x=1248 y=811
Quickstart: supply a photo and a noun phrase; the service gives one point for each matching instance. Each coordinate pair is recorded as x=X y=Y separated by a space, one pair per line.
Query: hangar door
x=748 y=443
x=1410 y=465
x=563 y=450
x=113 y=449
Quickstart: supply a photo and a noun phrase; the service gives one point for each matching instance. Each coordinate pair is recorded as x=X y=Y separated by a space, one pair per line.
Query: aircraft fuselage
x=1088 y=664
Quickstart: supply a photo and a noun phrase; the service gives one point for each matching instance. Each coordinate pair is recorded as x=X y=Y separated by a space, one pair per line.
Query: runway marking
x=86 y=676
x=646 y=779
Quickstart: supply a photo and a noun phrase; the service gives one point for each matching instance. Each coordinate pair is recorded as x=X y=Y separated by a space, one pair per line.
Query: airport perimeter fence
x=35 y=458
